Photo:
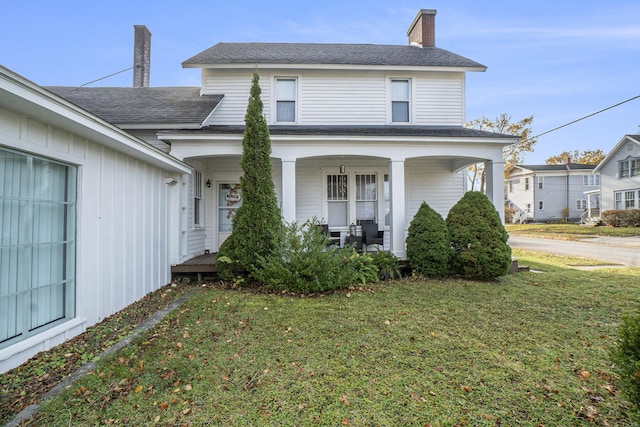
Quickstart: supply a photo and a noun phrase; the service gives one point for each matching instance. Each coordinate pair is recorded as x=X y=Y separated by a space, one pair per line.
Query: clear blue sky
x=555 y=60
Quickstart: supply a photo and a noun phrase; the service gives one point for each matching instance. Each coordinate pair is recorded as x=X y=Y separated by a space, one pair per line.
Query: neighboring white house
x=620 y=175
x=87 y=219
x=551 y=192
x=359 y=132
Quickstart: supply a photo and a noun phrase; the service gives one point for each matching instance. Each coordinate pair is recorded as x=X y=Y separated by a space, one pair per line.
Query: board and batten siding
x=122 y=227
x=327 y=97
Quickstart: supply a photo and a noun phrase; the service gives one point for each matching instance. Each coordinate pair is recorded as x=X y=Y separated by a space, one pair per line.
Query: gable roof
x=252 y=54
x=143 y=105
x=555 y=168
x=631 y=138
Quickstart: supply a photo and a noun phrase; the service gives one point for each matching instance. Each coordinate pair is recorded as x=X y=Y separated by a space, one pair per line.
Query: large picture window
x=37 y=245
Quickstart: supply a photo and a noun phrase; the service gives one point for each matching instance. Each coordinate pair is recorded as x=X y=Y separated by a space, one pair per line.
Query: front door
x=229 y=200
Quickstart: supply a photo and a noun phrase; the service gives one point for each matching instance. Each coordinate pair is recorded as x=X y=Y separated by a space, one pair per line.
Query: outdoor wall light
x=208 y=183
x=342 y=169
x=352 y=229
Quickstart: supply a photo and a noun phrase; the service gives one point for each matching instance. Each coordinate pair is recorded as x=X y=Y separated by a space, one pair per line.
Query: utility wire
x=105 y=77
x=585 y=117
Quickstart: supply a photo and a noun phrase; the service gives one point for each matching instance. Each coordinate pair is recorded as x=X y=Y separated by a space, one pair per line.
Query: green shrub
x=622 y=217
x=428 y=243
x=303 y=262
x=478 y=238
x=626 y=356
x=387 y=264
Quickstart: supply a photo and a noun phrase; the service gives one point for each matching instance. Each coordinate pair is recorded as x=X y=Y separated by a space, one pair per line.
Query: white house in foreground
x=87 y=217
x=103 y=189
x=620 y=172
x=359 y=132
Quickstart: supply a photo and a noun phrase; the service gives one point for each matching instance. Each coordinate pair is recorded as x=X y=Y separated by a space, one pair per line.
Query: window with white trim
x=400 y=100
x=630 y=199
x=285 y=96
x=629 y=167
x=528 y=208
x=37 y=245
x=617 y=200
x=352 y=201
x=198 y=207
x=581 y=204
x=526 y=184
x=541 y=205
x=540 y=182
x=591 y=180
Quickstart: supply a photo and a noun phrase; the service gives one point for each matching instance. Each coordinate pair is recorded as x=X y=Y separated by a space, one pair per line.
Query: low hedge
x=622 y=218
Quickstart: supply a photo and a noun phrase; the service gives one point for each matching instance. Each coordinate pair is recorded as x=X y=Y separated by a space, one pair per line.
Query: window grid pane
x=37 y=244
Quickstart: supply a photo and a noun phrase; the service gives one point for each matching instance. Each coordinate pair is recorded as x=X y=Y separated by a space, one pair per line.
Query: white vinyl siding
x=342 y=99
x=439 y=100
x=329 y=97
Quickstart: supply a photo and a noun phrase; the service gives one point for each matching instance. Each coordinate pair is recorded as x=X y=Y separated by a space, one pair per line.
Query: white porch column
x=494 y=175
x=289 y=190
x=397 y=208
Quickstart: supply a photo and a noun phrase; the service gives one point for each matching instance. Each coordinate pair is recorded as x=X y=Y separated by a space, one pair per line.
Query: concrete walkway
x=618 y=250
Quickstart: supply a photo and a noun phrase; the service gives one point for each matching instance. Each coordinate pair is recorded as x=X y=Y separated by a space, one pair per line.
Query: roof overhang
x=25 y=97
x=403 y=68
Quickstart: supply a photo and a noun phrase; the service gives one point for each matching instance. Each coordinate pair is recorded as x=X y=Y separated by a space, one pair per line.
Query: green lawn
x=570 y=230
x=531 y=349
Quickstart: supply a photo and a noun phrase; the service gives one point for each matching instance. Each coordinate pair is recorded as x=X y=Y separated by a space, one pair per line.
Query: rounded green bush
x=428 y=243
x=478 y=239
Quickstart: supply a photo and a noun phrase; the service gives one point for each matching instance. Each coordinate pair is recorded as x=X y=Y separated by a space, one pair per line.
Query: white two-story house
x=552 y=193
x=620 y=172
x=359 y=132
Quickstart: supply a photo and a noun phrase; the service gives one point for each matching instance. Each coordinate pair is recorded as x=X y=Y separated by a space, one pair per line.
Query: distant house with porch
x=552 y=193
x=620 y=175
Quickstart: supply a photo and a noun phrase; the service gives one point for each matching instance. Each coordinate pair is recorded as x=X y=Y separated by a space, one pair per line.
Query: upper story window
x=285 y=96
x=526 y=184
x=591 y=180
x=400 y=100
x=540 y=182
x=629 y=167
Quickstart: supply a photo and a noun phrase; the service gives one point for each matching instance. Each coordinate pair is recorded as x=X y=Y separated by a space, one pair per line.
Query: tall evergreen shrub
x=428 y=243
x=478 y=238
x=257 y=226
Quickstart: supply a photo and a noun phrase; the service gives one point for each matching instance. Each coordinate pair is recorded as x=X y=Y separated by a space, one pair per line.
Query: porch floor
x=201 y=264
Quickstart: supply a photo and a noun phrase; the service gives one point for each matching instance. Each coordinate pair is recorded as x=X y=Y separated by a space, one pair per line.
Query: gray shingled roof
x=561 y=167
x=424 y=131
x=143 y=105
x=333 y=54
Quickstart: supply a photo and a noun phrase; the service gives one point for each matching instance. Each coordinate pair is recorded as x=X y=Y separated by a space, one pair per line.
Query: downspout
x=567 y=200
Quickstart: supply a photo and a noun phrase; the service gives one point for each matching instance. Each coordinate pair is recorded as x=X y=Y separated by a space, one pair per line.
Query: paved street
x=620 y=250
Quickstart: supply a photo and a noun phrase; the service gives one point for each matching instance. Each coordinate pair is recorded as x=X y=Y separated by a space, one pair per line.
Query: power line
x=105 y=77
x=585 y=117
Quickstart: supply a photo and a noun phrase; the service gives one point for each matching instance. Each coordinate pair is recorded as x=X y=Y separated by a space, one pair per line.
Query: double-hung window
x=617 y=200
x=630 y=199
x=197 y=198
x=338 y=200
x=285 y=95
x=37 y=245
x=400 y=100
x=591 y=180
x=526 y=184
x=540 y=182
x=366 y=198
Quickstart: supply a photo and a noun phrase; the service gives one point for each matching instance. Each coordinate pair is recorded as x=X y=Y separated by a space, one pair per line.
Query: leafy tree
x=587 y=157
x=513 y=154
x=257 y=226
x=428 y=243
x=478 y=238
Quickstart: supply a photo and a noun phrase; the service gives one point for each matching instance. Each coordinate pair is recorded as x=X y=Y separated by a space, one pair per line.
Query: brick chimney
x=422 y=31
x=141 y=56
